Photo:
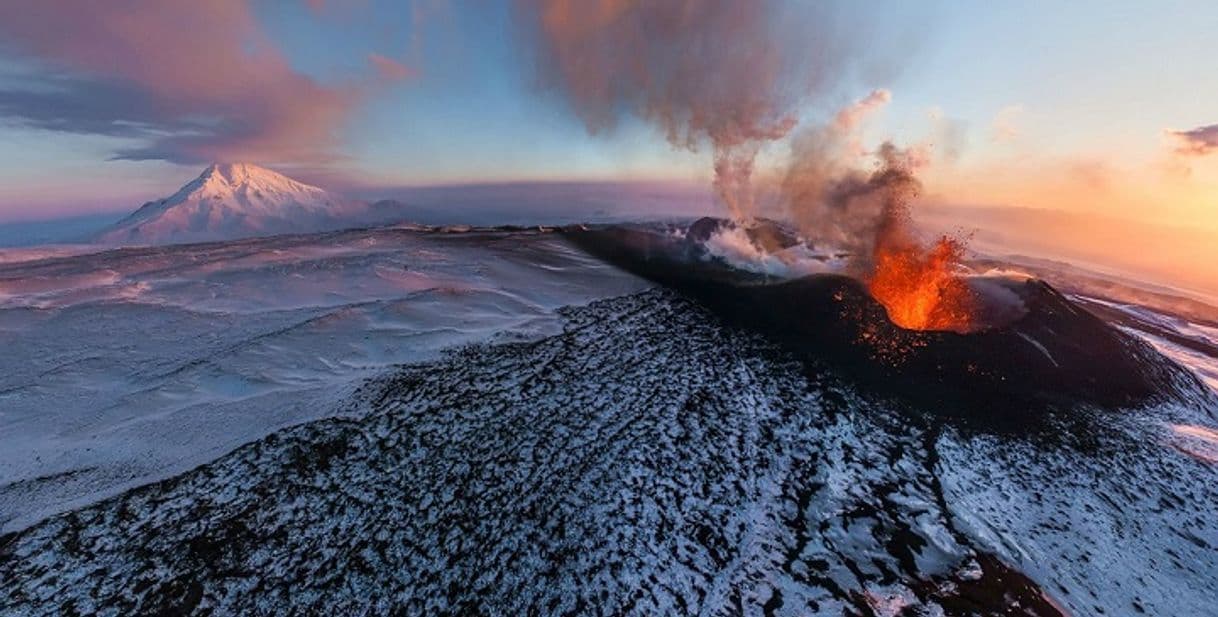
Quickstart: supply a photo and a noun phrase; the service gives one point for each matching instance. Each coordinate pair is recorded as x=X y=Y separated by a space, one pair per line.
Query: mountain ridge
x=230 y=201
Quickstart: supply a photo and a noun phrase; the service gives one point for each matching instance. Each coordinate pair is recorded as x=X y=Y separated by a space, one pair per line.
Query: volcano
x=491 y=422
x=231 y=201
x=1048 y=354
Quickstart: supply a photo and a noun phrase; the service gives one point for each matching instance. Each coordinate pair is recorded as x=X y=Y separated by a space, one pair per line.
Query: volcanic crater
x=1030 y=349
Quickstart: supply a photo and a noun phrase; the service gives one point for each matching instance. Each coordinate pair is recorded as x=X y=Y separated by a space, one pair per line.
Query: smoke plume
x=827 y=193
x=729 y=73
x=834 y=201
x=737 y=74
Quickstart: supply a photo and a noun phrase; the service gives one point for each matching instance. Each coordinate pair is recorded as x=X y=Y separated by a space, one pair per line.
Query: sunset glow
x=608 y=307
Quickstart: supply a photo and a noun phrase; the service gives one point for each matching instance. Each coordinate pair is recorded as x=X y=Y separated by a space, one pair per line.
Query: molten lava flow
x=919 y=287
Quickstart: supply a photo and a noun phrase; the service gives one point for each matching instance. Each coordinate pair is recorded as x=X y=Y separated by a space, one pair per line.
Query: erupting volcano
x=854 y=312
x=719 y=74
x=920 y=285
x=920 y=288
x=995 y=348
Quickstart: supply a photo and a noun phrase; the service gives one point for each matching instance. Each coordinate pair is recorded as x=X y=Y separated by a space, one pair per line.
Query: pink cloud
x=851 y=116
x=1005 y=127
x=390 y=69
x=1200 y=141
x=203 y=65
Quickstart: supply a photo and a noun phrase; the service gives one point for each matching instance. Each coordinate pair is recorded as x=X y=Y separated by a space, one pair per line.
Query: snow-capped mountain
x=236 y=200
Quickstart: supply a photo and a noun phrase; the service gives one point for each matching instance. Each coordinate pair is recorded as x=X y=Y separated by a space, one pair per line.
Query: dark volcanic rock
x=702 y=229
x=1055 y=356
x=644 y=462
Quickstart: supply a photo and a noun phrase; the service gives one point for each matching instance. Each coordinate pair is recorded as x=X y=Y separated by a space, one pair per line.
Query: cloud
x=1200 y=141
x=390 y=69
x=71 y=104
x=199 y=81
x=947 y=140
x=1091 y=174
x=849 y=117
x=1005 y=127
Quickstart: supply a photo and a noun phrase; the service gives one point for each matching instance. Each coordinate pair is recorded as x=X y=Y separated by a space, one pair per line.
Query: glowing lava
x=919 y=285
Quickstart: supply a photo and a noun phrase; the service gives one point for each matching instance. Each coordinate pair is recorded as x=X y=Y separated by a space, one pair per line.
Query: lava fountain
x=920 y=286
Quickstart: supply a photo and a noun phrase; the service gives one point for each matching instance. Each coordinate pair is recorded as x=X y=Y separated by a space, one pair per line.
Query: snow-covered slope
x=236 y=200
x=492 y=422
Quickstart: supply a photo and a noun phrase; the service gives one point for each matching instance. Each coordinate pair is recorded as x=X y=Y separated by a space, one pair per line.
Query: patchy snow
x=1117 y=523
x=642 y=459
x=472 y=421
x=130 y=365
x=1037 y=344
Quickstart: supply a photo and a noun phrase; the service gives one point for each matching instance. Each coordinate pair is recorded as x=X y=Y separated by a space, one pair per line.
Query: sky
x=1094 y=107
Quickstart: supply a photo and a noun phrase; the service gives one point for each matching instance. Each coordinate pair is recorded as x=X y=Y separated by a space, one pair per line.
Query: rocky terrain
x=646 y=460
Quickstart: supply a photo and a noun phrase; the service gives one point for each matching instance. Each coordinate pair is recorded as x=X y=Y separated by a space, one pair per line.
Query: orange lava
x=919 y=287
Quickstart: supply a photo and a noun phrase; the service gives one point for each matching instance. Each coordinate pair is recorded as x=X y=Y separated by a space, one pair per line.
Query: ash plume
x=736 y=75
x=832 y=199
x=724 y=72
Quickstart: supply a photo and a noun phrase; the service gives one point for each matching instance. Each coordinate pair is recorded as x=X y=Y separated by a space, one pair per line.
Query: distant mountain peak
x=237 y=174
x=222 y=180
x=235 y=200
